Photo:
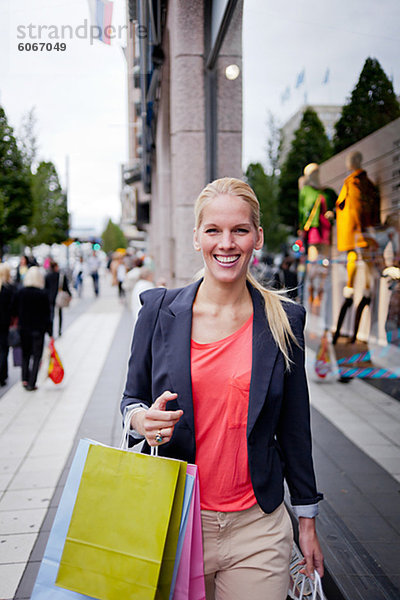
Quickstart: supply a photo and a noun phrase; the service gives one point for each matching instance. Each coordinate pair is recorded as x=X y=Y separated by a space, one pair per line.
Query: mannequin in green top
x=315 y=221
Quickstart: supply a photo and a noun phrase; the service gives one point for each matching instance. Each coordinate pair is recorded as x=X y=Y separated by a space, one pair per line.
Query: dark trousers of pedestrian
x=32 y=349
x=95 y=277
x=121 y=291
x=3 y=357
x=60 y=320
x=52 y=312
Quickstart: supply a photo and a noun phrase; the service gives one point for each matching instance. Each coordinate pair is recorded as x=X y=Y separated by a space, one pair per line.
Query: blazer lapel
x=265 y=352
x=176 y=327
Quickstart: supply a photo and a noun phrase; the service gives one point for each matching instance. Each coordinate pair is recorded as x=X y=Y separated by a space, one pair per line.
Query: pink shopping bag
x=190 y=579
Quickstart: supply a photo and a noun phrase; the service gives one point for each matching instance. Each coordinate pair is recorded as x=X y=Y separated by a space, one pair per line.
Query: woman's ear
x=260 y=239
x=196 y=244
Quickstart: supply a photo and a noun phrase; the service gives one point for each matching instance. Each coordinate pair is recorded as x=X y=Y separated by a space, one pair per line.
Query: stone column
x=229 y=101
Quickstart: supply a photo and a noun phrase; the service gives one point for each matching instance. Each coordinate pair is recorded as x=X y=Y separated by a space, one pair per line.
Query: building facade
x=191 y=118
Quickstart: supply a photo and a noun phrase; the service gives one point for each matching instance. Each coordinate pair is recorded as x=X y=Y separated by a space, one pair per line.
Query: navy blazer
x=278 y=424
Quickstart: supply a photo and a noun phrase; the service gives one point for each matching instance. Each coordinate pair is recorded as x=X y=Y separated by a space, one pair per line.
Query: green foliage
x=27 y=140
x=15 y=194
x=372 y=105
x=266 y=189
x=113 y=237
x=49 y=222
x=310 y=144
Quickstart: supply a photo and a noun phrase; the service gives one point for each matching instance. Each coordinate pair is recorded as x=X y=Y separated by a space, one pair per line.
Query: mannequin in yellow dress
x=357 y=213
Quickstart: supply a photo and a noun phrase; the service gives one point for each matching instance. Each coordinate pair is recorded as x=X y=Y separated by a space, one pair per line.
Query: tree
x=49 y=223
x=266 y=189
x=27 y=140
x=372 y=105
x=15 y=193
x=113 y=237
x=310 y=144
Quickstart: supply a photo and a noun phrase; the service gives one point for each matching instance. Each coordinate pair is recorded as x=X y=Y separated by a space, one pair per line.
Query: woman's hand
x=309 y=545
x=157 y=424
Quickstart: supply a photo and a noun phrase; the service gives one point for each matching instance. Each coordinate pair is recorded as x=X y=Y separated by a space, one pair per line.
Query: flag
x=101 y=18
x=300 y=78
x=326 y=77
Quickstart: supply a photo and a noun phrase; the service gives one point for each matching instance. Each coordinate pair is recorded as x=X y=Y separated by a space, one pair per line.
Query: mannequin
x=357 y=213
x=315 y=216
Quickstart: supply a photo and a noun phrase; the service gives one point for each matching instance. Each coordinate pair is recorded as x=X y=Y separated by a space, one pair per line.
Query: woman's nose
x=226 y=240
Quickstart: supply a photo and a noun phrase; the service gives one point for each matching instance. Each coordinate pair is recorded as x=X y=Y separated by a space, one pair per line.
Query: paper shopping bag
x=124 y=529
x=190 y=579
x=45 y=588
x=187 y=499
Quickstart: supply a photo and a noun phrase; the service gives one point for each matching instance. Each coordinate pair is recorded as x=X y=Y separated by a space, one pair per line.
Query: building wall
x=179 y=169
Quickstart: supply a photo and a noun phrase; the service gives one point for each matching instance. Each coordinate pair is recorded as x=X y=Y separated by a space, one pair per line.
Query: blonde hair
x=5 y=273
x=273 y=299
x=34 y=278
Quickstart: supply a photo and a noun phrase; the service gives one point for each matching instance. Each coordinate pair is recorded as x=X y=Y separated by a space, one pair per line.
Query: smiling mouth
x=226 y=260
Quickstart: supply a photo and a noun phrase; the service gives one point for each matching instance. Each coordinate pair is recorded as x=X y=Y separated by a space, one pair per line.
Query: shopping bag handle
x=316 y=585
x=125 y=434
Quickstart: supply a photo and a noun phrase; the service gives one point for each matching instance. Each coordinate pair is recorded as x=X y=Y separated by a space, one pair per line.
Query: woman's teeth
x=227 y=259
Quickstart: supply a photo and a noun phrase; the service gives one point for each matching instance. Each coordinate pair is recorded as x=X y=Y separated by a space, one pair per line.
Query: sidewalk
x=356 y=431
x=38 y=430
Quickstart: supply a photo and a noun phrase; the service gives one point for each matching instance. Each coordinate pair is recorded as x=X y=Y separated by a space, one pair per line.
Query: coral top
x=221 y=373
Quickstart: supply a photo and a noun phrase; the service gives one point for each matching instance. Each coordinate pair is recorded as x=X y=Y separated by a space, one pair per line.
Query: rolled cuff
x=307 y=510
x=128 y=412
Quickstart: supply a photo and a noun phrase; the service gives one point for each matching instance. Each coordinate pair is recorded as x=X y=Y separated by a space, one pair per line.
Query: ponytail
x=277 y=318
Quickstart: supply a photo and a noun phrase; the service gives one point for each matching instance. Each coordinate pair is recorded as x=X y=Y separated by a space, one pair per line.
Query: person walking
x=54 y=283
x=93 y=265
x=216 y=377
x=33 y=322
x=7 y=292
x=78 y=275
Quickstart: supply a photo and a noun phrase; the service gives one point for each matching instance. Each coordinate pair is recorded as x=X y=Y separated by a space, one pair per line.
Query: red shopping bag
x=56 y=369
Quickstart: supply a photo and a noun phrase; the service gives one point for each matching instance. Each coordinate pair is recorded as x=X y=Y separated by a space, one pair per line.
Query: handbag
x=17 y=356
x=14 y=337
x=55 y=369
x=63 y=299
x=110 y=557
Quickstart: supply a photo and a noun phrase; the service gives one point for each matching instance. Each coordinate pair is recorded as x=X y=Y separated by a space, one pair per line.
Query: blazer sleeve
x=138 y=388
x=294 y=430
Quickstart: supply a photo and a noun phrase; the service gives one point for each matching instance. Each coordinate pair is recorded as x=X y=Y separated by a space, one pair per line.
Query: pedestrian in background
x=145 y=282
x=7 y=292
x=55 y=282
x=78 y=274
x=93 y=264
x=195 y=351
x=121 y=273
x=22 y=270
x=33 y=322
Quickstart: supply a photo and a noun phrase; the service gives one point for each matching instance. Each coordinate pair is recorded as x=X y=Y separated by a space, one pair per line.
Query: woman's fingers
x=159 y=423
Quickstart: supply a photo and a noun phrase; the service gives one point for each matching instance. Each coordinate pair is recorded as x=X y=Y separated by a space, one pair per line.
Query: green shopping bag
x=123 y=534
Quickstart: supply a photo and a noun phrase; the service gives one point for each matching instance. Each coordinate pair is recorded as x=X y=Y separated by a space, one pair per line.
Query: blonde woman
x=33 y=322
x=6 y=308
x=216 y=377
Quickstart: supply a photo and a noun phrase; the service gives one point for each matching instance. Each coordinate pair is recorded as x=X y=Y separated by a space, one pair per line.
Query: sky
x=80 y=98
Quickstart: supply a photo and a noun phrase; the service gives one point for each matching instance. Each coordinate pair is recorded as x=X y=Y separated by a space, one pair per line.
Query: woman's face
x=227 y=237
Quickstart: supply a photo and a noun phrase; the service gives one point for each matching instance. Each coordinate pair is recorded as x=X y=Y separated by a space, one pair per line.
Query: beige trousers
x=247 y=554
